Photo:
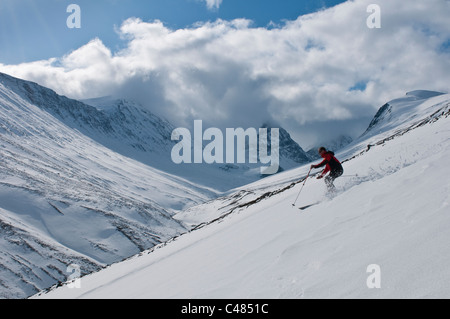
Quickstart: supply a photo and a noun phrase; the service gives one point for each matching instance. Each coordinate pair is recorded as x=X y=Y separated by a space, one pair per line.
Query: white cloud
x=231 y=74
x=213 y=4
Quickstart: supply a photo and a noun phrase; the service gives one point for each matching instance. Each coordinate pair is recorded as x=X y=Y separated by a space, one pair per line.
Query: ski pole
x=301 y=189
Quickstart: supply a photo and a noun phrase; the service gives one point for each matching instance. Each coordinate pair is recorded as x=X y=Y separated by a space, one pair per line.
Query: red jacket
x=331 y=163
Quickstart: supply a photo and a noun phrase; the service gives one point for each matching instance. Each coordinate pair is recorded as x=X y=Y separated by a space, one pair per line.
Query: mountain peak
x=291 y=153
x=423 y=94
x=416 y=104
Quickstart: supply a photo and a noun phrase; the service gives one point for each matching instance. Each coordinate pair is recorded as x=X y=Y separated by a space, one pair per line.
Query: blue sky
x=36 y=29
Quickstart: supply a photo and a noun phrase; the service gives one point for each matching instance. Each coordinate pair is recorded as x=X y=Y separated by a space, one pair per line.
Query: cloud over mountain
x=314 y=72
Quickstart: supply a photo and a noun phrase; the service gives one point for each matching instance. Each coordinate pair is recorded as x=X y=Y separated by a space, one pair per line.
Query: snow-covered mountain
x=130 y=130
x=400 y=111
x=136 y=131
x=90 y=183
x=254 y=244
x=291 y=154
x=147 y=139
x=65 y=198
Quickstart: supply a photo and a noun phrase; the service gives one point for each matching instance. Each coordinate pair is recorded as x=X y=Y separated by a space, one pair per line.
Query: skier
x=332 y=165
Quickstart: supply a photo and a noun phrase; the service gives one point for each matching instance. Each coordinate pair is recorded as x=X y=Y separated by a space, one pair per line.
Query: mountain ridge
x=132 y=131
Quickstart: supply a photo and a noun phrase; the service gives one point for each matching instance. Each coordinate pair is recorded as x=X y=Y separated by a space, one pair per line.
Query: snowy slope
x=405 y=115
x=64 y=198
x=404 y=110
x=394 y=214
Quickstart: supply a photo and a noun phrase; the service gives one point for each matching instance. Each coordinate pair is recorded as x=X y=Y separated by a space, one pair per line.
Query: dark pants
x=330 y=179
